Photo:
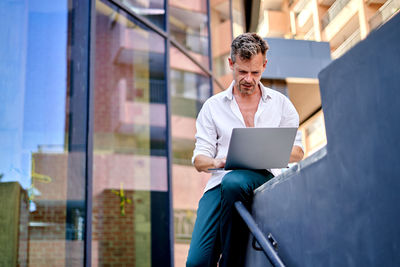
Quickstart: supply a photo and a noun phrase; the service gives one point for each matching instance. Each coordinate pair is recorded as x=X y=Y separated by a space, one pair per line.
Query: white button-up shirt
x=220 y=114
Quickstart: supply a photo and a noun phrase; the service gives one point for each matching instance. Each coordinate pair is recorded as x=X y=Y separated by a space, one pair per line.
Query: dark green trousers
x=219 y=233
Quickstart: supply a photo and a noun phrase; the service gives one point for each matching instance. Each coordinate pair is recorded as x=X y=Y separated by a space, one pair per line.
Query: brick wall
x=114 y=232
x=47 y=223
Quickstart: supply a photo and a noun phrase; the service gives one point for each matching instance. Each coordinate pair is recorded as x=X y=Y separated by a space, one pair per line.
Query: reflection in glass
x=188 y=22
x=42 y=178
x=190 y=90
x=189 y=87
x=130 y=156
x=153 y=10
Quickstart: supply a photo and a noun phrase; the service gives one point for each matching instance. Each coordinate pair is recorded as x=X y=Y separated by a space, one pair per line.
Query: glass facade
x=188 y=22
x=97 y=130
x=129 y=139
x=190 y=86
x=153 y=10
x=43 y=139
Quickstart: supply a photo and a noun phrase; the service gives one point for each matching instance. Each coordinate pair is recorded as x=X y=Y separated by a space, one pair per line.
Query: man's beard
x=246 y=90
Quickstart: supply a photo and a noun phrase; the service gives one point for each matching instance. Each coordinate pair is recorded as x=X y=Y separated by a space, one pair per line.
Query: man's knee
x=233 y=186
x=196 y=261
x=232 y=181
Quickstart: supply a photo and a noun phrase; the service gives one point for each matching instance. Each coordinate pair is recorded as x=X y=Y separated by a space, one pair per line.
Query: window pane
x=42 y=166
x=190 y=87
x=188 y=22
x=153 y=10
x=130 y=182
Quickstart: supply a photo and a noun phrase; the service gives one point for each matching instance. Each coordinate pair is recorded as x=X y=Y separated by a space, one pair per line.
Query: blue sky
x=33 y=87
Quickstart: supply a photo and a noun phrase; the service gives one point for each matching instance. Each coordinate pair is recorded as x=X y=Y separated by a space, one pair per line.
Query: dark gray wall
x=342 y=206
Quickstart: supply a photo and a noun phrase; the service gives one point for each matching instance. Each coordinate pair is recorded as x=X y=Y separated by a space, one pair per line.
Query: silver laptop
x=259 y=148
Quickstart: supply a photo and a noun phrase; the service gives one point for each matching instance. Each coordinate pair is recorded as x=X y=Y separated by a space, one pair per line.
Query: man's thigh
x=238 y=185
x=205 y=245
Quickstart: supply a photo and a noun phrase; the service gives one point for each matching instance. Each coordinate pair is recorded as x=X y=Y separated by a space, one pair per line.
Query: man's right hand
x=219 y=163
x=203 y=163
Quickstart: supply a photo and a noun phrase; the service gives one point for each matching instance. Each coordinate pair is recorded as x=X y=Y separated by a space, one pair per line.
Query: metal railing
x=310 y=34
x=266 y=246
x=333 y=11
x=384 y=13
x=353 y=39
x=300 y=6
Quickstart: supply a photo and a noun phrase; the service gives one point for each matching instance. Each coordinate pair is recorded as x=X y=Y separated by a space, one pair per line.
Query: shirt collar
x=265 y=94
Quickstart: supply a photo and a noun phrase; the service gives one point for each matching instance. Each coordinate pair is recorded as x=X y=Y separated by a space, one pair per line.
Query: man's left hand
x=296 y=155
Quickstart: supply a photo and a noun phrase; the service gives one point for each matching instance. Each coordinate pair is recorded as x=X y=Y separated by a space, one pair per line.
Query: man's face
x=247 y=73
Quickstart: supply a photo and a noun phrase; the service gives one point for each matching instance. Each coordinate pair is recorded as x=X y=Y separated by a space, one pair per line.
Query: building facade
x=341 y=23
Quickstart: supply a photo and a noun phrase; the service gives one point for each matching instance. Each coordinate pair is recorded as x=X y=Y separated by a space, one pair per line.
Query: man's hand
x=296 y=155
x=203 y=163
x=219 y=163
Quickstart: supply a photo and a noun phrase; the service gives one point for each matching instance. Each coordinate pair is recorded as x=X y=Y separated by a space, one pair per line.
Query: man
x=219 y=233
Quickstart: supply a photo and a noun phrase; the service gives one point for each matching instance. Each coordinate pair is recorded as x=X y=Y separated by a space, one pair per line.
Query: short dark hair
x=248 y=45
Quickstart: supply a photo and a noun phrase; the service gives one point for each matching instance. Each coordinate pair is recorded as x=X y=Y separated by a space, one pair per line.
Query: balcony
x=332 y=12
x=300 y=6
x=386 y=12
x=304 y=11
x=340 y=21
x=310 y=35
x=347 y=44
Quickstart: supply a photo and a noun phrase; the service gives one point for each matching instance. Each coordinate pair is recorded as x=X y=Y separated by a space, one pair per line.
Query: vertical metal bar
x=265 y=245
x=169 y=131
x=90 y=133
x=79 y=158
x=210 y=65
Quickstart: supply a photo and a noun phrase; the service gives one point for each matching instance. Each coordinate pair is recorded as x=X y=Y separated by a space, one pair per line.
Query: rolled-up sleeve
x=290 y=118
x=298 y=141
x=206 y=134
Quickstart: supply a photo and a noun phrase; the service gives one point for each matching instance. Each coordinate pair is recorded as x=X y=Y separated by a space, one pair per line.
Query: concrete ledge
x=293 y=171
